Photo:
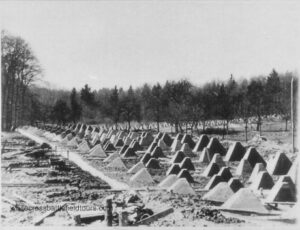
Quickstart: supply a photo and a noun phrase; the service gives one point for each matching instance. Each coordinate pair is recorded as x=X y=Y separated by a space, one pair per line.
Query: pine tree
x=75 y=107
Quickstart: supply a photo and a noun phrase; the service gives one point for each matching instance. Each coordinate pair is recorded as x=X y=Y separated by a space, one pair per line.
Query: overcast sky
x=126 y=43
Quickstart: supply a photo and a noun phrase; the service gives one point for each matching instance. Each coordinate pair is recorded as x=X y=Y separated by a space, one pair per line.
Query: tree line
x=181 y=103
x=19 y=69
x=178 y=102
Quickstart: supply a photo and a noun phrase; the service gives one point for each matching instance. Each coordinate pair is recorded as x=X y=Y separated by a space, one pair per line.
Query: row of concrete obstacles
x=252 y=164
x=222 y=187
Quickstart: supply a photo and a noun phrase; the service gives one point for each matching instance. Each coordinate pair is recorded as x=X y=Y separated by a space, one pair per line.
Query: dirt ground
x=44 y=185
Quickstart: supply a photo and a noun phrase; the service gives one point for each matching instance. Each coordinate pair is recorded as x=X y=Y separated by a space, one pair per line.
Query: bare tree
x=20 y=68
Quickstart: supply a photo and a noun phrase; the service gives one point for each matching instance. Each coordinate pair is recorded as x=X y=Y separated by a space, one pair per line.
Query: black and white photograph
x=174 y=113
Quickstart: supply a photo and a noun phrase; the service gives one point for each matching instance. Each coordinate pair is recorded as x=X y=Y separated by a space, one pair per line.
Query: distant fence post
x=246 y=127
x=108 y=212
x=292 y=114
x=123 y=218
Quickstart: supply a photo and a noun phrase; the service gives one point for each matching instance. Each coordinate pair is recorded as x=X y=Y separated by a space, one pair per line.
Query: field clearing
x=156 y=200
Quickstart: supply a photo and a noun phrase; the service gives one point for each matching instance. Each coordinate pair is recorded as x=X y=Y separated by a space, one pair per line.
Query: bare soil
x=81 y=188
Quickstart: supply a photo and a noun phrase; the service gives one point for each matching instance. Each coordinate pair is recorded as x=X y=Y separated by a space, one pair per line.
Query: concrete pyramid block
x=117 y=163
x=182 y=186
x=187 y=139
x=162 y=145
x=205 y=156
x=123 y=149
x=96 y=143
x=184 y=173
x=283 y=191
x=187 y=164
x=176 y=145
x=217 y=158
x=81 y=134
x=179 y=136
x=168 y=181
x=134 y=135
x=134 y=169
x=72 y=143
x=174 y=169
x=151 y=147
x=216 y=179
x=132 y=142
x=258 y=168
x=98 y=151
x=135 y=145
x=103 y=138
x=145 y=158
x=84 y=147
x=122 y=134
x=119 y=143
x=158 y=135
x=220 y=193
x=153 y=163
x=279 y=165
x=129 y=152
x=109 y=147
x=216 y=147
x=244 y=168
x=245 y=200
x=157 y=153
x=225 y=173
x=235 y=184
x=96 y=129
x=105 y=144
x=87 y=134
x=69 y=136
x=142 y=177
x=178 y=157
x=95 y=139
x=167 y=139
x=112 y=139
x=263 y=180
x=235 y=152
x=185 y=148
x=127 y=141
x=211 y=169
x=254 y=157
x=111 y=133
x=111 y=157
x=293 y=171
x=201 y=143
x=146 y=140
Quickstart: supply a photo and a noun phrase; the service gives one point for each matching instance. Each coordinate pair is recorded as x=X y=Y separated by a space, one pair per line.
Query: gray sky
x=126 y=43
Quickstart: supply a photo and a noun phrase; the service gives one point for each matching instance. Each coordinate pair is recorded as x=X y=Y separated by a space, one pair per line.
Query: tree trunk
x=6 y=100
x=157 y=122
x=203 y=125
x=286 y=124
x=128 y=121
x=223 y=130
x=10 y=103
x=227 y=126
x=176 y=127
x=258 y=124
x=5 y=92
x=16 y=106
x=23 y=91
x=180 y=127
x=246 y=133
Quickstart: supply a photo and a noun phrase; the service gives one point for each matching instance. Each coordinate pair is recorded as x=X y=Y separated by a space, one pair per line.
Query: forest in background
x=176 y=102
